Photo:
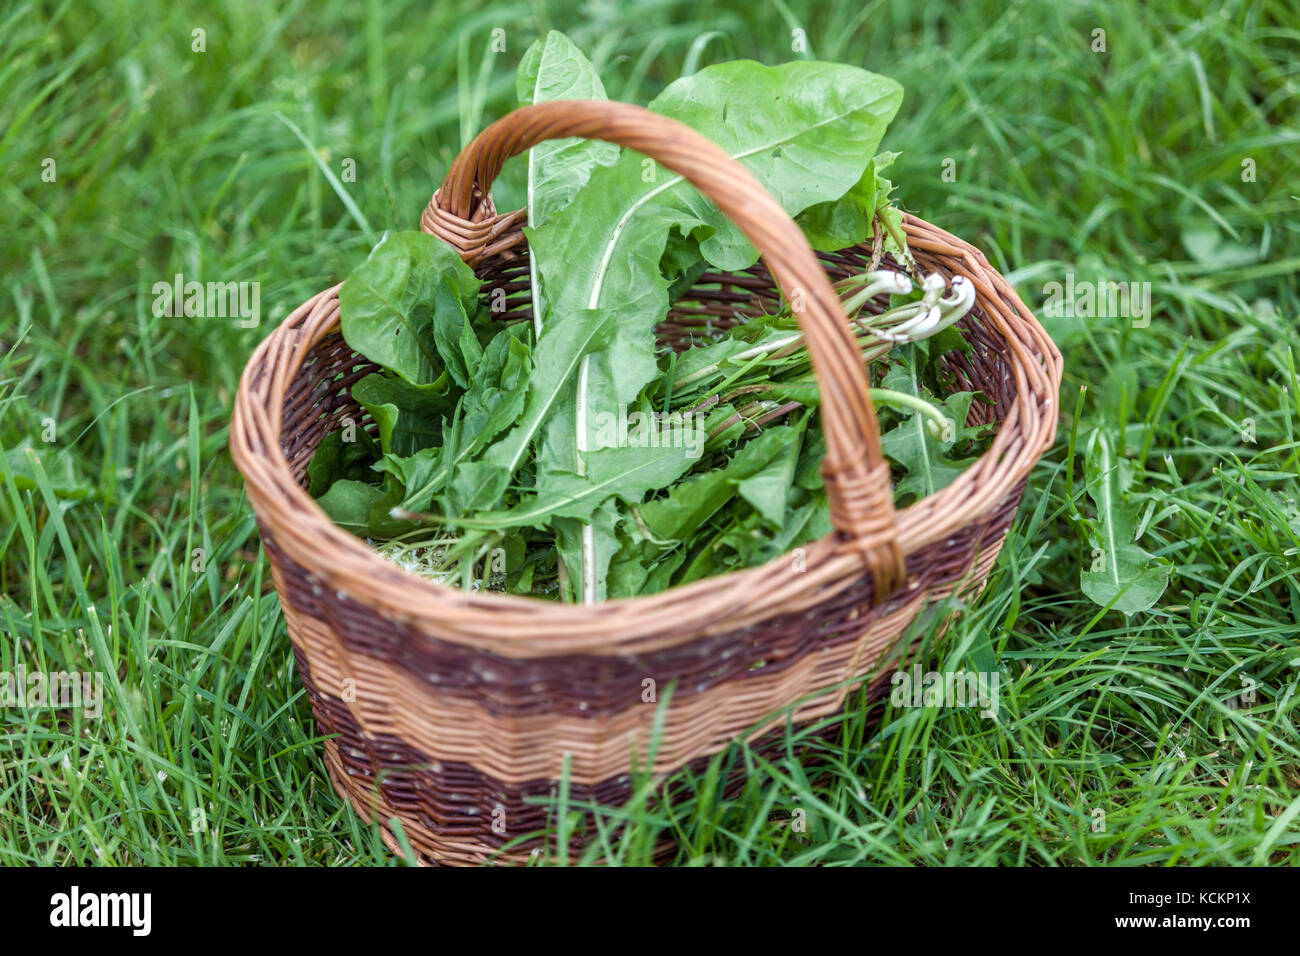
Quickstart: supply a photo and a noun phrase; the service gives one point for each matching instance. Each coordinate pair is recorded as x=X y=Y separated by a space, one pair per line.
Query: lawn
x=1160 y=150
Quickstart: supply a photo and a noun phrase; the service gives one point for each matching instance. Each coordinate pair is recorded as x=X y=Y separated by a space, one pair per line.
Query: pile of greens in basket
x=574 y=457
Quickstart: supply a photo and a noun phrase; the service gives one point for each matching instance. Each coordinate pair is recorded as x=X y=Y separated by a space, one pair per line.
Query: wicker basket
x=453 y=710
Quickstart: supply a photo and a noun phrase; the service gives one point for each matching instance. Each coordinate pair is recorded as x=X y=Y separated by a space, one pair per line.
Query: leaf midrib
x=918 y=422
x=534 y=421
x=607 y=256
x=1107 y=517
x=593 y=489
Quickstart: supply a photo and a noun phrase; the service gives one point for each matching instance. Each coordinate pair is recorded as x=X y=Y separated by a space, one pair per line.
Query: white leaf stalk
x=905 y=323
x=588 y=536
x=940 y=426
x=588 y=582
x=533 y=279
x=588 y=533
x=932 y=314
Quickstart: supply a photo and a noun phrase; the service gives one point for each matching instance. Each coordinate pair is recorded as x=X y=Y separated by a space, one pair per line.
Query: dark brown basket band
x=452 y=813
x=389 y=702
x=588 y=687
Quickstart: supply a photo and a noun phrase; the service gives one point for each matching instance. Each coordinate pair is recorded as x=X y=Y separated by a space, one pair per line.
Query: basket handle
x=854 y=469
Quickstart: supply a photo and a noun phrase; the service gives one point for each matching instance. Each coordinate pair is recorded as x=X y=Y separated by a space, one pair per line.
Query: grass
x=1164 y=737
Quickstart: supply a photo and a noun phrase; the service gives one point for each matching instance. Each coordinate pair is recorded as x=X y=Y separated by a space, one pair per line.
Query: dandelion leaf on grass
x=1121 y=574
x=29 y=466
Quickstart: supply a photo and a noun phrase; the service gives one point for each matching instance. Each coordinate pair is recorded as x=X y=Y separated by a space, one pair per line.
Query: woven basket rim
x=519 y=625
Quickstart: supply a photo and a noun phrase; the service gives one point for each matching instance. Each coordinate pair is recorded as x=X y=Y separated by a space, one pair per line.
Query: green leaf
x=453 y=333
x=388 y=306
x=499 y=390
x=678 y=525
x=348 y=504
x=494 y=403
x=560 y=350
x=422 y=475
x=409 y=416
x=597 y=533
x=838 y=224
x=705 y=364
x=750 y=543
x=768 y=490
x=475 y=486
x=627 y=472
x=637 y=570
x=808 y=474
x=553 y=68
x=681 y=264
x=891 y=214
x=924 y=458
x=504 y=438
x=26 y=462
x=693 y=502
x=1121 y=575
x=806 y=130
x=335 y=459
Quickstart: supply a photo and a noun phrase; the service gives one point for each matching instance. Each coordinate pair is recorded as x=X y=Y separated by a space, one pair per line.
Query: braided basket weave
x=453 y=711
